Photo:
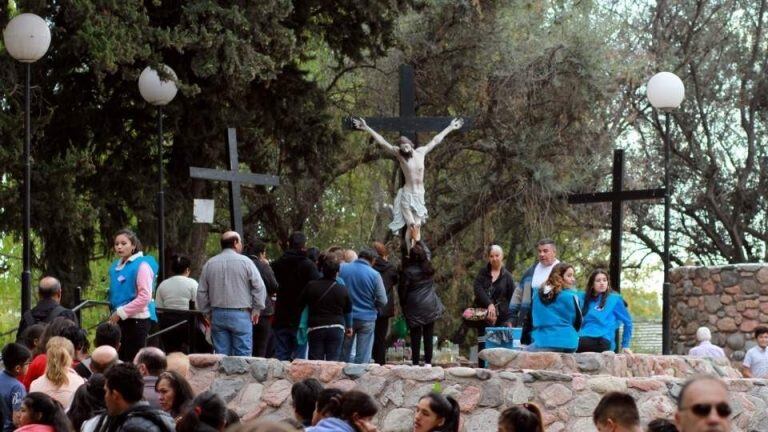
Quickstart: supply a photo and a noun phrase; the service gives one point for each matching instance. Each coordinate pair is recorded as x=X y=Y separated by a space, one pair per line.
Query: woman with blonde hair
x=60 y=380
x=556 y=312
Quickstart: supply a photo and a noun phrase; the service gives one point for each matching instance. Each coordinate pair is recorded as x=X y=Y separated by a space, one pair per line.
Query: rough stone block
x=398 y=420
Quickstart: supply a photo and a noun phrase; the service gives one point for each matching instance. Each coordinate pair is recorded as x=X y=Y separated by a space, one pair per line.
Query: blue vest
x=122 y=283
x=553 y=323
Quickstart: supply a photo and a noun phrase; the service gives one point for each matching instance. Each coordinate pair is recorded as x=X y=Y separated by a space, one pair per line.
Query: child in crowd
x=16 y=360
x=556 y=313
x=602 y=311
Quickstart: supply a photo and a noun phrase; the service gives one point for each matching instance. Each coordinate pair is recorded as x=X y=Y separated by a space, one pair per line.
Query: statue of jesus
x=409 y=208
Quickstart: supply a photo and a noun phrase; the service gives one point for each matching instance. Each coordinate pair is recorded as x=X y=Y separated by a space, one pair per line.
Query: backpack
x=30 y=320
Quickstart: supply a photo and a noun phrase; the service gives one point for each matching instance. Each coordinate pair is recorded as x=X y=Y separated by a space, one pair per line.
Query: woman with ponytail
x=521 y=418
x=437 y=413
x=60 y=380
x=207 y=413
x=352 y=411
x=42 y=413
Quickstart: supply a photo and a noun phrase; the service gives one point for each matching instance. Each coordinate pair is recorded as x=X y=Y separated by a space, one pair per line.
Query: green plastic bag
x=399 y=327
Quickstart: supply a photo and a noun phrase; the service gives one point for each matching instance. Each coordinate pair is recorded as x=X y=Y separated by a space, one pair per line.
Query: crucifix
x=409 y=206
x=616 y=197
x=236 y=178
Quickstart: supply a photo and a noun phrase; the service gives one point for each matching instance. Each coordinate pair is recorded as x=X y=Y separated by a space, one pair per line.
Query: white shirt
x=541 y=274
x=757 y=362
x=176 y=292
x=706 y=349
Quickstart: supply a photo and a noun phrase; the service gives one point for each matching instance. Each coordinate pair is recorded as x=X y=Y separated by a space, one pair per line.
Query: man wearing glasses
x=702 y=406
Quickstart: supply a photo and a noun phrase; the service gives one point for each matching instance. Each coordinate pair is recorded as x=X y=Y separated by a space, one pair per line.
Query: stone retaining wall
x=567 y=387
x=731 y=300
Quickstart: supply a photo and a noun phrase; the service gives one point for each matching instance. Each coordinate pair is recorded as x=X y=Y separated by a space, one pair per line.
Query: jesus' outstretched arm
x=456 y=124
x=360 y=124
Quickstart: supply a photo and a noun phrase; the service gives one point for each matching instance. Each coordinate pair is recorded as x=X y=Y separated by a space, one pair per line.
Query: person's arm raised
x=456 y=124
x=360 y=124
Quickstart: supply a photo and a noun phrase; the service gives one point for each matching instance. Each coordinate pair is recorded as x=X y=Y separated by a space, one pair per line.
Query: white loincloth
x=412 y=200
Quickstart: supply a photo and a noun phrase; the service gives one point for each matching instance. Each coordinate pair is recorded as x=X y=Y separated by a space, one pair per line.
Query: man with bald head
x=702 y=406
x=102 y=358
x=47 y=307
x=231 y=294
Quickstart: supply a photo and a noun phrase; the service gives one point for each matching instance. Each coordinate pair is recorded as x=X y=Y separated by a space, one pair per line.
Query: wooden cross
x=407 y=124
x=616 y=197
x=236 y=178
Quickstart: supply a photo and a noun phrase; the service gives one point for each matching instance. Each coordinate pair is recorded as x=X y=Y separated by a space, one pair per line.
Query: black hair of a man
x=229 y=239
x=15 y=354
x=108 y=333
x=304 y=396
x=693 y=380
x=313 y=254
x=297 y=241
x=48 y=289
x=329 y=265
x=180 y=264
x=55 y=328
x=28 y=336
x=77 y=336
x=256 y=247
x=759 y=330
x=661 y=425
x=619 y=407
x=153 y=359
x=206 y=413
x=546 y=241
x=125 y=379
x=367 y=254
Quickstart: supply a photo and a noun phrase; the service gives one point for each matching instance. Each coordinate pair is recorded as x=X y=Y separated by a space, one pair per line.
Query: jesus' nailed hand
x=409 y=206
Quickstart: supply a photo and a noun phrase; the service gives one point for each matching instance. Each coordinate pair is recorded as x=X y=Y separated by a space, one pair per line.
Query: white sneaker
x=427 y=365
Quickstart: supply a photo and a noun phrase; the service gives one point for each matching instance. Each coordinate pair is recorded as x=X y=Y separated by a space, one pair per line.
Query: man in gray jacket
x=232 y=295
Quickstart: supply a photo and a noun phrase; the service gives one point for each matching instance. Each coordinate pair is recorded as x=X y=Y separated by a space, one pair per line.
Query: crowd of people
x=101 y=393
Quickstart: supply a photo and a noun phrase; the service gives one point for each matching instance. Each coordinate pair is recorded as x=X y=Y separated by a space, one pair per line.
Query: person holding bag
x=494 y=287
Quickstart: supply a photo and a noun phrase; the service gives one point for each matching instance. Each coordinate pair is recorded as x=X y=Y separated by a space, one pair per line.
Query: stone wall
x=731 y=300
x=566 y=386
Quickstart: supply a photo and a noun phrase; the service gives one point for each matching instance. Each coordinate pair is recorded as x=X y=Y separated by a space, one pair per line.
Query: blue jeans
x=325 y=344
x=232 y=332
x=285 y=343
x=363 y=335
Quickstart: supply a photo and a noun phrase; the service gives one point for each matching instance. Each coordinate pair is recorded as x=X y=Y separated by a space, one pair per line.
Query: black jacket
x=45 y=311
x=293 y=271
x=499 y=293
x=270 y=282
x=139 y=418
x=418 y=298
x=390 y=277
x=328 y=302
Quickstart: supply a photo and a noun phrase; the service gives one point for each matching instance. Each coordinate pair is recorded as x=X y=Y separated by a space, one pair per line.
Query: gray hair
x=494 y=248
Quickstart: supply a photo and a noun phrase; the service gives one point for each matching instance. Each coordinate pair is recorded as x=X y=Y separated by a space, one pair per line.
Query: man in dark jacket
x=47 y=307
x=262 y=331
x=390 y=277
x=126 y=412
x=293 y=271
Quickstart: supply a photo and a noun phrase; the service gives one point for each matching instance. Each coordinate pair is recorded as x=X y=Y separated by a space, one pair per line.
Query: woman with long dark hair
x=173 y=393
x=603 y=310
x=131 y=281
x=206 y=413
x=352 y=411
x=521 y=418
x=556 y=313
x=419 y=301
x=437 y=413
x=88 y=401
x=41 y=413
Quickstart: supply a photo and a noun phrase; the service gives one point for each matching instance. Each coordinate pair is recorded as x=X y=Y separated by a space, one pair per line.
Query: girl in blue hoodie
x=556 y=313
x=352 y=411
x=603 y=311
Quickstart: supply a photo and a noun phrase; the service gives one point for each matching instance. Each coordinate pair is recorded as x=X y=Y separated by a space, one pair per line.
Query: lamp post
x=666 y=93
x=27 y=38
x=159 y=92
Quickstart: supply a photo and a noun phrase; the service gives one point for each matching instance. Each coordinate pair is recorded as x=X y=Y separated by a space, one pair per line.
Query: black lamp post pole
x=26 y=287
x=160 y=197
x=667 y=199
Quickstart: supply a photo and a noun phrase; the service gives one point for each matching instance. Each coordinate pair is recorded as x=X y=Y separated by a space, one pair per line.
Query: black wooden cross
x=407 y=124
x=616 y=197
x=236 y=178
